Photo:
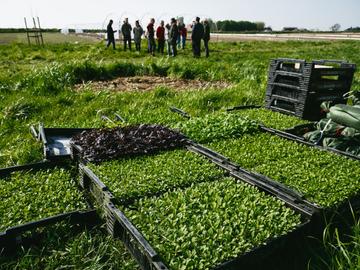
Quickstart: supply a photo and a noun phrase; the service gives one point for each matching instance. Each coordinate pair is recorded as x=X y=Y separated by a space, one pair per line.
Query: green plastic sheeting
x=346 y=115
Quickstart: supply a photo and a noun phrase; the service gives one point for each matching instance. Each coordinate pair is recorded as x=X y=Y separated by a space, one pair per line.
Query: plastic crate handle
x=290 y=60
x=323 y=61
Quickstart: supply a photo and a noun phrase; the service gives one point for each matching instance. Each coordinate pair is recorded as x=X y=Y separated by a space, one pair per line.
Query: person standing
x=151 y=35
x=138 y=32
x=196 y=36
x=126 y=31
x=183 y=33
x=178 y=40
x=173 y=36
x=206 y=37
x=160 y=35
x=110 y=35
x=168 y=41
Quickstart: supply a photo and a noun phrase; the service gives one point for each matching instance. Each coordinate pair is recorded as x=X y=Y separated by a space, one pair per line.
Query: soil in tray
x=30 y=196
x=210 y=223
x=106 y=144
x=64 y=246
x=130 y=178
x=322 y=177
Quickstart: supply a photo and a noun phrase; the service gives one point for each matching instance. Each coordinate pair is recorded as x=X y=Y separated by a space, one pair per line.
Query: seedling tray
x=120 y=226
x=326 y=205
x=340 y=213
x=293 y=199
x=56 y=141
x=255 y=178
x=17 y=235
x=295 y=134
x=45 y=164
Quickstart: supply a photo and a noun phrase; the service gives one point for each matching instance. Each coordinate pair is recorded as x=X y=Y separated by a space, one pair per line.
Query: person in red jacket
x=183 y=33
x=160 y=35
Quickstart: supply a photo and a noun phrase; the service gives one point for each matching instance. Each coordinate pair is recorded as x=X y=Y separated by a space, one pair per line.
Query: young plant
x=210 y=223
x=270 y=118
x=29 y=196
x=324 y=178
x=146 y=175
x=217 y=126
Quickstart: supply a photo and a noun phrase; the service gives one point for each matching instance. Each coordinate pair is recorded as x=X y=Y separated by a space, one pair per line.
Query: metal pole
x=36 y=35
x=27 y=31
x=40 y=32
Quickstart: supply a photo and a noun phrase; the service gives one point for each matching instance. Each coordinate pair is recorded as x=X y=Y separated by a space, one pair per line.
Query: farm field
x=288 y=36
x=73 y=85
x=56 y=38
x=52 y=38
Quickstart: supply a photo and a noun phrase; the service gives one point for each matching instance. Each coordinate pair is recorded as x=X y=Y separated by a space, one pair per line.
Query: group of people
x=173 y=34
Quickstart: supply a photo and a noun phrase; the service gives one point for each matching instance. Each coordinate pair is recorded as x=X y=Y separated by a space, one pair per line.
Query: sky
x=310 y=14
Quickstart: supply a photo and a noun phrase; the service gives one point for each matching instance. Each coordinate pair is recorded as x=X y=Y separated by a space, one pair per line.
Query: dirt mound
x=104 y=144
x=146 y=83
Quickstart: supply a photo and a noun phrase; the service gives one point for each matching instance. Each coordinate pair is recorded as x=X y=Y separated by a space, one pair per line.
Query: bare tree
x=335 y=28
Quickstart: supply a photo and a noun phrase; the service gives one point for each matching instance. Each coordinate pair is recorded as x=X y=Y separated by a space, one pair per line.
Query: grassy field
x=37 y=84
x=49 y=38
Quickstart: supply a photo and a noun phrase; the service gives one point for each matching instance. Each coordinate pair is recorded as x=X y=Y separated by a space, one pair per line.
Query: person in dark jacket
x=206 y=37
x=196 y=36
x=151 y=35
x=126 y=31
x=110 y=35
x=173 y=36
x=160 y=35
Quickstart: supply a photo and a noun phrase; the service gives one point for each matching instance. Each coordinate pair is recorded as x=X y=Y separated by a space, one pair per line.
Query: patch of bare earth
x=147 y=83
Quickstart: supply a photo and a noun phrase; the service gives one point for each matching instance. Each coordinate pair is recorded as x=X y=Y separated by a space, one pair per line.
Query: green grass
x=68 y=247
x=49 y=38
x=341 y=247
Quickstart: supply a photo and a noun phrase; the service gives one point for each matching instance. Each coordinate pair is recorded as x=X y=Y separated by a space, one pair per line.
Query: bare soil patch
x=147 y=83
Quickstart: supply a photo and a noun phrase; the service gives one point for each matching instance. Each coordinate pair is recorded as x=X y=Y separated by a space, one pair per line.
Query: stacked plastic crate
x=297 y=87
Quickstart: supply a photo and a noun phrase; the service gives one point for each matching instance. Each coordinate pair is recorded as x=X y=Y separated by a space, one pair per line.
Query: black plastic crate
x=312 y=109
x=307 y=83
x=287 y=65
x=331 y=77
x=339 y=68
x=285 y=105
x=288 y=91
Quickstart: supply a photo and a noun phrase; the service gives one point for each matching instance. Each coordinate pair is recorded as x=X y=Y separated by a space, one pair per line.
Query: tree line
x=238 y=26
